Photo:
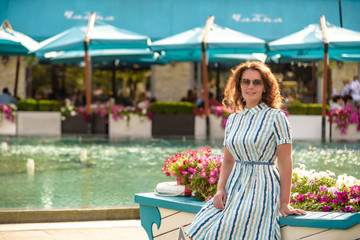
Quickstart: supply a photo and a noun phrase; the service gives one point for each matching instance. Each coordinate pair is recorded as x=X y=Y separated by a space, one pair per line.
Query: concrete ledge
x=8 y=216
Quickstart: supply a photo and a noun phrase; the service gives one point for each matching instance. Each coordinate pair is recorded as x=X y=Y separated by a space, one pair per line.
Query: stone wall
x=172 y=81
x=7 y=75
x=343 y=71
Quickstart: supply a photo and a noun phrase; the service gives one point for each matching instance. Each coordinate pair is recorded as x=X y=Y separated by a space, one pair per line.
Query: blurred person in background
x=6 y=97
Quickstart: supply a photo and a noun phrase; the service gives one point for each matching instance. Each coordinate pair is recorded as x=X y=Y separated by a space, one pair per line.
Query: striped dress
x=253 y=187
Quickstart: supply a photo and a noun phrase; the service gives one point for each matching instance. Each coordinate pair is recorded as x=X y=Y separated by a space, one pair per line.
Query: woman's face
x=252 y=87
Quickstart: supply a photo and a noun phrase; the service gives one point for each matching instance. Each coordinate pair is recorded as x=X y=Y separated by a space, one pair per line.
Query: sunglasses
x=246 y=82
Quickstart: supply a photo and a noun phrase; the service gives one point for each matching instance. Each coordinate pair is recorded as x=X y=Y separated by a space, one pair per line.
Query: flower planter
x=200 y=127
x=30 y=123
x=173 y=125
x=307 y=127
x=99 y=124
x=351 y=133
x=7 y=127
x=74 y=124
x=216 y=130
x=77 y=125
x=136 y=127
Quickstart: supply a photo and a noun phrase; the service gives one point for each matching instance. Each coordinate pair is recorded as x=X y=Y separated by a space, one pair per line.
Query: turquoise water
x=93 y=172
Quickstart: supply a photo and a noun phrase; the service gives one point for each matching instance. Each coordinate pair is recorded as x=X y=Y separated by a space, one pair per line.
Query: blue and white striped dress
x=253 y=187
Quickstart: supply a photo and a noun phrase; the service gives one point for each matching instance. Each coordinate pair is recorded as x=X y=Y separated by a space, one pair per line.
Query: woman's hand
x=219 y=199
x=286 y=209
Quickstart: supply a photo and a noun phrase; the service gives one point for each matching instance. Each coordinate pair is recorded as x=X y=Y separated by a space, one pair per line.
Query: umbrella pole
x=17 y=75
x=325 y=77
x=87 y=63
x=209 y=22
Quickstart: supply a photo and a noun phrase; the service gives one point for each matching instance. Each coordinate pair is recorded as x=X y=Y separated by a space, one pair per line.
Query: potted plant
x=173 y=119
x=7 y=119
x=198 y=170
x=38 y=117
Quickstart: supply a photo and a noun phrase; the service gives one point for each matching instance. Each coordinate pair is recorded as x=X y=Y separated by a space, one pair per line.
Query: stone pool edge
x=8 y=216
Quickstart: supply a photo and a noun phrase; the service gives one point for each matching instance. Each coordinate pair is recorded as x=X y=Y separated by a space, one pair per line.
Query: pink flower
x=323 y=188
x=184 y=173
x=335 y=201
x=348 y=208
x=212 y=180
x=310 y=195
x=327 y=208
x=203 y=174
x=343 y=196
x=212 y=173
x=300 y=198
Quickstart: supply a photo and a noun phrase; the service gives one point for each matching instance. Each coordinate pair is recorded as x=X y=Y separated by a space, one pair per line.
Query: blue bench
x=168 y=213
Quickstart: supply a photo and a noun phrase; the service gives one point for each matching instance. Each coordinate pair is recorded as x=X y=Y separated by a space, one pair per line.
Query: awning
x=268 y=20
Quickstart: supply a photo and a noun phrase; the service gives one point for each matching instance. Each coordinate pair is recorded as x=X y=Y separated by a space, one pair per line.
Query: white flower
x=346 y=180
x=72 y=113
x=333 y=190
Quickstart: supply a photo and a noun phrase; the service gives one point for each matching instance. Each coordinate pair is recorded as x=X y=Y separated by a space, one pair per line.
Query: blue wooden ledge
x=329 y=220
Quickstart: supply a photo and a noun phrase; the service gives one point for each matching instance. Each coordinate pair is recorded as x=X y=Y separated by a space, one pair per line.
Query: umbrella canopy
x=102 y=36
x=15 y=43
x=98 y=55
x=186 y=46
x=308 y=43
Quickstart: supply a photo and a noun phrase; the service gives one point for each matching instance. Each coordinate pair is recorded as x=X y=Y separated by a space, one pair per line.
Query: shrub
x=38 y=105
x=172 y=107
x=298 y=108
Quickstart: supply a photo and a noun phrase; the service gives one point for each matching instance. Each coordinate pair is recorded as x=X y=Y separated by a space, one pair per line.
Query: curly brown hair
x=232 y=93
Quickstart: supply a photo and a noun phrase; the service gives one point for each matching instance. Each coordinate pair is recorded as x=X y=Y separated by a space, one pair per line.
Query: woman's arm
x=285 y=169
x=226 y=167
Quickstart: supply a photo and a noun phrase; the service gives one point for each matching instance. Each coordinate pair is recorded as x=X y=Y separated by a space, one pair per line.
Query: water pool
x=115 y=170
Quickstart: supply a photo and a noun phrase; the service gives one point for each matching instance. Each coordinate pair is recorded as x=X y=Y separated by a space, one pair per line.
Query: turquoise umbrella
x=187 y=46
x=15 y=43
x=102 y=36
x=307 y=44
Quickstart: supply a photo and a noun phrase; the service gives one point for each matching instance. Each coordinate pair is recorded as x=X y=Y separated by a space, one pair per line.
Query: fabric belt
x=254 y=163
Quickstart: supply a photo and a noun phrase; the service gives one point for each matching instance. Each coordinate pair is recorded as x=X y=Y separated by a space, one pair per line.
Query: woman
x=251 y=190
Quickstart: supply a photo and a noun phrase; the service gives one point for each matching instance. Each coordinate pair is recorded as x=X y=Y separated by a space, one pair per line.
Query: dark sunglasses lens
x=257 y=82
x=245 y=81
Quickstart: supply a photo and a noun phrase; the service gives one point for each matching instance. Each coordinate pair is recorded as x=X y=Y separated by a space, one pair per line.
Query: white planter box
x=136 y=127
x=200 y=127
x=216 y=131
x=7 y=127
x=351 y=133
x=307 y=127
x=38 y=123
